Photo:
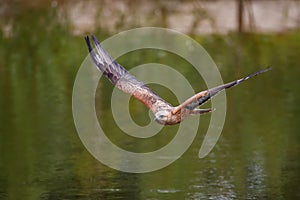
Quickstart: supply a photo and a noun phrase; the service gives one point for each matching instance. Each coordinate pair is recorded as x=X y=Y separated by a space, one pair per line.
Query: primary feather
x=122 y=79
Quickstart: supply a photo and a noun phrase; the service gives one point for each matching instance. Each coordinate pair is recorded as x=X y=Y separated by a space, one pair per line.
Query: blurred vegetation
x=40 y=39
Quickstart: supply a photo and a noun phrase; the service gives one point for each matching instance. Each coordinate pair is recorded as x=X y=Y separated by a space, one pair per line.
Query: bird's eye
x=161 y=116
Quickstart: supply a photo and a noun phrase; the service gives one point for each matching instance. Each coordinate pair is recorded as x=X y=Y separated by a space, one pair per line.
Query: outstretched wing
x=121 y=78
x=204 y=96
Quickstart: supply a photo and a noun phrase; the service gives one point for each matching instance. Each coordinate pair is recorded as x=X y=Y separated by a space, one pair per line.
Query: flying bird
x=164 y=112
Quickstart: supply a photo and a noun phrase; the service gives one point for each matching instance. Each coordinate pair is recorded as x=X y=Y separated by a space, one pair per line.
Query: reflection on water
x=257 y=156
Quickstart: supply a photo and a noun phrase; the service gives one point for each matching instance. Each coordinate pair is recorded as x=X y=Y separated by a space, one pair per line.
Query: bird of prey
x=164 y=112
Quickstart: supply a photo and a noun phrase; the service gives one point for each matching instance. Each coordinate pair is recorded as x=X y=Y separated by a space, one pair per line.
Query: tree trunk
x=240 y=15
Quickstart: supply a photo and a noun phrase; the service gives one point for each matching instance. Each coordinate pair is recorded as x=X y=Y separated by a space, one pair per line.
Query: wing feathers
x=204 y=96
x=112 y=70
x=122 y=79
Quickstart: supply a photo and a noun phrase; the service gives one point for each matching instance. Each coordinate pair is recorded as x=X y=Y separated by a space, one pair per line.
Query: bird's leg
x=202 y=111
x=190 y=100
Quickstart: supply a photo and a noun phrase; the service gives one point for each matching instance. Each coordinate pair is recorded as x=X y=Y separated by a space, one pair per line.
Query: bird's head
x=161 y=117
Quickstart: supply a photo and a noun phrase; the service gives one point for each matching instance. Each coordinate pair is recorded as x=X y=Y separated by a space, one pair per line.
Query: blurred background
x=42 y=47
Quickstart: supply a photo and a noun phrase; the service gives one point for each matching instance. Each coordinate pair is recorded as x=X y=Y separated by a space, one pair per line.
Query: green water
x=42 y=157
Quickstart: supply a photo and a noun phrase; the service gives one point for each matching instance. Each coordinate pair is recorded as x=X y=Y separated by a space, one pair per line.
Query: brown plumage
x=164 y=112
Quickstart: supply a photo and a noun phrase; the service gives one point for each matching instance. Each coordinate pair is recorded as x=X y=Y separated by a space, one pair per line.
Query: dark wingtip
x=95 y=40
x=259 y=72
x=265 y=70
x=268 y=69
x=87 y=40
